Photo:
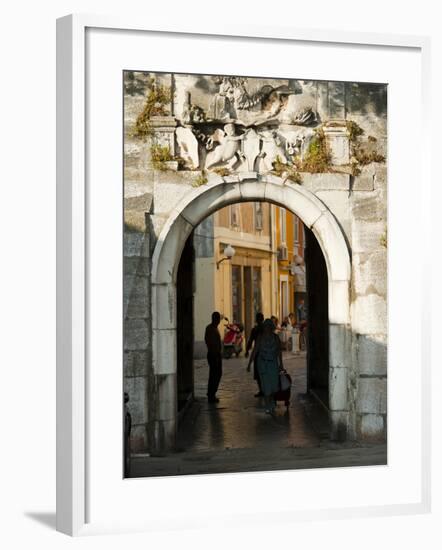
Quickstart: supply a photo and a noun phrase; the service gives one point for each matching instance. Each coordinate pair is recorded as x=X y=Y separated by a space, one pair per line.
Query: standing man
x=302 y=324
x=256 y=331
x=213 y=342
x=302 y=311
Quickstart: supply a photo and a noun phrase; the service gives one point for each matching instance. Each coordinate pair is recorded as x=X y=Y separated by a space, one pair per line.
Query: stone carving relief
x=242 y=130
x=228 y=151
x=192 y=113
x=272 y=148
x=234 y=102
x=188 y=146
x=251 y=149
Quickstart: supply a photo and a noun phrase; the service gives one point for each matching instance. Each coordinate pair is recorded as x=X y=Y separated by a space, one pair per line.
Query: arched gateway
x=196 y=206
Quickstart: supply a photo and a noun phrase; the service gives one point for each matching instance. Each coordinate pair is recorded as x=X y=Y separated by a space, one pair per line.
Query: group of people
x=266 y=357
x=290 y=320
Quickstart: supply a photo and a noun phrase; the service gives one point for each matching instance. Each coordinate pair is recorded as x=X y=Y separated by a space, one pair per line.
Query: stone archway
x=196 y=206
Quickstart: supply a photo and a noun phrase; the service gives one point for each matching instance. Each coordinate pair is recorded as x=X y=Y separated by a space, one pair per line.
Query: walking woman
x=268 y=354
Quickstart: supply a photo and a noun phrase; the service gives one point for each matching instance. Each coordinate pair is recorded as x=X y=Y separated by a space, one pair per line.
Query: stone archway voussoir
x=288 y=197
x=168 y=249
x=333 y=245
x=208 y=200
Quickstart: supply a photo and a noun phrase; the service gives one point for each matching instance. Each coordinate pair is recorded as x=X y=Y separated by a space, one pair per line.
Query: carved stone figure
x=297 y=141
x=188 y=147
x=251 y=148
x=243 y=101
x=272 y=148
x=233 y=101
x=192 y=113
x=295 y=148
x=221 y=107
x=305 y=117
x=229 y=148
x=276 y=100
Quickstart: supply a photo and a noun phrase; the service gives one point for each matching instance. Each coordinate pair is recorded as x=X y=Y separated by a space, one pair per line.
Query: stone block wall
x=369 y=306
x=362 y=215
x=137 y=354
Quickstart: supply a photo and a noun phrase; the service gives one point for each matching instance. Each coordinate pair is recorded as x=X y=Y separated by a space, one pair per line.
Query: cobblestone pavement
x=235 y=435
x=239 y=421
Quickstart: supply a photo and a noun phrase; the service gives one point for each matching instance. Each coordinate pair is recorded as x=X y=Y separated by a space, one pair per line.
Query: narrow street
x=236 y=435
x=238 y=421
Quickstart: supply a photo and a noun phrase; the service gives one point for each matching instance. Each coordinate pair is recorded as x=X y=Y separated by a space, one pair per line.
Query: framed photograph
x=237 y=243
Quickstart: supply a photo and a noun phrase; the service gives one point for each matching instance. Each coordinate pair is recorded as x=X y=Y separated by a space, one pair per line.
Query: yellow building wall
x=293 y=249
x=252 y=249
x=204 y=295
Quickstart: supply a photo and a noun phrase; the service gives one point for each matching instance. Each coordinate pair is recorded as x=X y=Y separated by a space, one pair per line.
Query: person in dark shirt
x=256 y=331
x=213 y=342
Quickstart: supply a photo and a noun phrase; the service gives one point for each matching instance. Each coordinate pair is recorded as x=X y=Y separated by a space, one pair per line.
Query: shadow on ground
x=48 y=519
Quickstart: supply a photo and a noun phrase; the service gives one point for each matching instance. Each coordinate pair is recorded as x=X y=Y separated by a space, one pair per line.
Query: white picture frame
x=77 y=496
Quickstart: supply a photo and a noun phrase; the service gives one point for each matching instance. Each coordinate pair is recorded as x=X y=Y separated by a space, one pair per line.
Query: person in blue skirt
x=267 y=351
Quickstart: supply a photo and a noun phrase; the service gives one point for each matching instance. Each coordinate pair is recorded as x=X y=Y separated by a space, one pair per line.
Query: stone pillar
x=163 y=391
x=164 y=134
x=337 y=139
x=369 y=311
x=339 y=379
x=163 y=424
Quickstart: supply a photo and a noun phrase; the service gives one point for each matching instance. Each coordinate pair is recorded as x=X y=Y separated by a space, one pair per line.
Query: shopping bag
x=284 y=381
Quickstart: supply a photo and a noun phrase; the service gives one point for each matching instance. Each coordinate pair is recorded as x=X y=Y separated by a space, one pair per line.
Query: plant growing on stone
x=159 y=156
x=354 y=130
x=158 y=97
x=365 y=157
x=201 y=179
x=318 y=157
x=221 y=171
x=182 y=163
x=295 y=177
x=354 y=168
x=280 y=169
x=362 y=155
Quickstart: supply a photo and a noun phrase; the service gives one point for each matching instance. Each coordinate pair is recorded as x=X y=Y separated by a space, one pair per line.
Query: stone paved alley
x=238 y=420
x=236 y=435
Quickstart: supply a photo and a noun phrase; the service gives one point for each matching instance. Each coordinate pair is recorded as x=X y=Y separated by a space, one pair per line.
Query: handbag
x=284 y=380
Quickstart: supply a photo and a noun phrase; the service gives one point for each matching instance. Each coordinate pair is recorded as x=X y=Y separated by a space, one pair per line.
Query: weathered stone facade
x=194 y=144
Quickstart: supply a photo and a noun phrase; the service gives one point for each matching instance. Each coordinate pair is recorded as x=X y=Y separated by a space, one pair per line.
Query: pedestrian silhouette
x=213 y=342
x=269 y=362
x=255 y=332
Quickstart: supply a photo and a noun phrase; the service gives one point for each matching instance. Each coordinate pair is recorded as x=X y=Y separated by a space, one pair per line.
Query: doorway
x=166 y=260
x=242 y=286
